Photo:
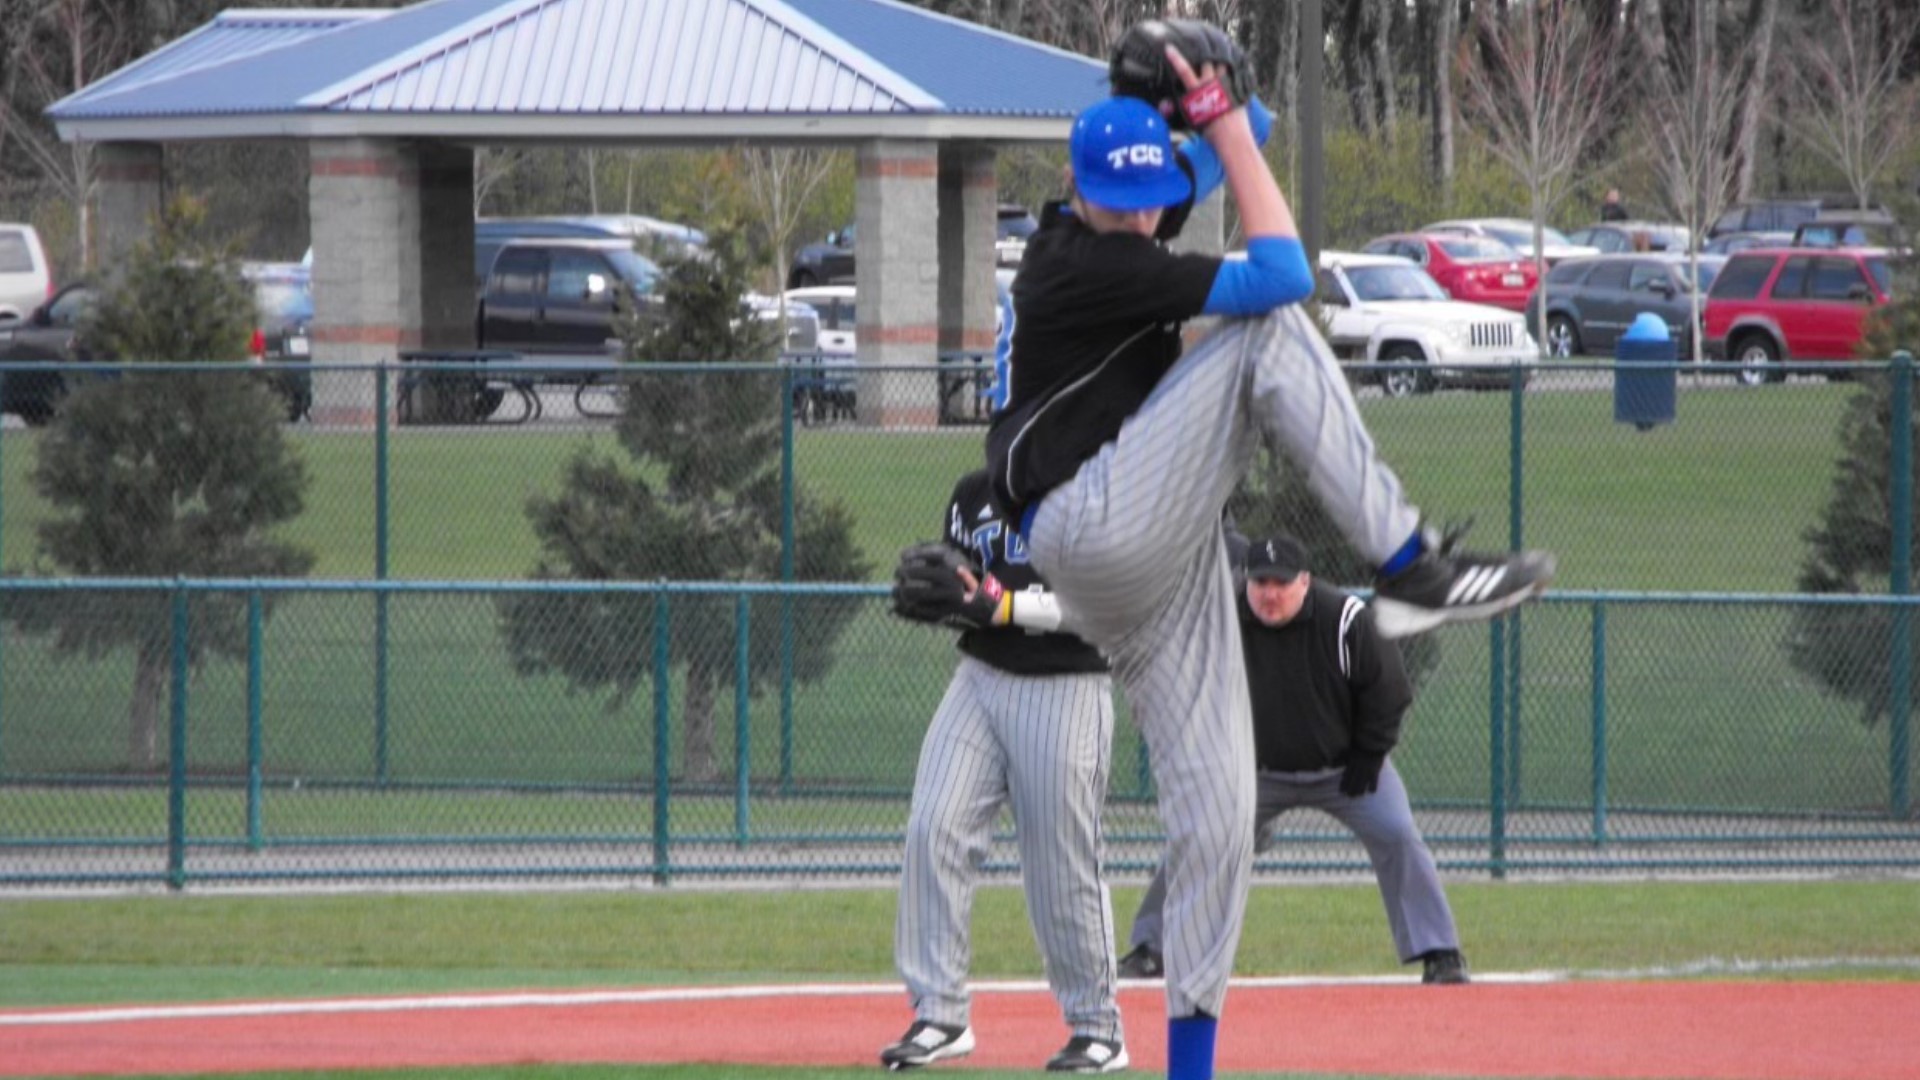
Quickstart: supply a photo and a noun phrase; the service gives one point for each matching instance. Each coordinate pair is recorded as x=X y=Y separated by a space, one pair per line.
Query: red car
x=1774 y=304
x=1477 y=269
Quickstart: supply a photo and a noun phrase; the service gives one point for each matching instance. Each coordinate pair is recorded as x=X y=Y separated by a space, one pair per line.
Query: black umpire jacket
x=1324 y=684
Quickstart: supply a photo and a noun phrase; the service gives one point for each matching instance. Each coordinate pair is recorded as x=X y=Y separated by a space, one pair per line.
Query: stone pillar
x=969 y=201
x=897 y=276
x=392 y=261
x=128 y=178
x=1206 y=228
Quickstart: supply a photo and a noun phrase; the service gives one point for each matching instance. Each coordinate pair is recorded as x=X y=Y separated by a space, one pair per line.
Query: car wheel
x=1757 y=357
x=1407 y=375
x=1563 y=338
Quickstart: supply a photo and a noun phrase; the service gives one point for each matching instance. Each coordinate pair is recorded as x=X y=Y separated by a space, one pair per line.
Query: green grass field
x=196 y=948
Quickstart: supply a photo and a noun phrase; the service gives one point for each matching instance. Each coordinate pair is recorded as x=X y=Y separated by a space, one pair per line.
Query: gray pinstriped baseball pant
x=1133 y=547
x=1042 y=744
x=1417 y=911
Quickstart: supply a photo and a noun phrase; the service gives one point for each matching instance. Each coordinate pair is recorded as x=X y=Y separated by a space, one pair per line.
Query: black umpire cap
x=1277 y=558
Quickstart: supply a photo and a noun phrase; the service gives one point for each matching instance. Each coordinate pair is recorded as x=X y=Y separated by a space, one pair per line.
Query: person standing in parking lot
x=1612 y=208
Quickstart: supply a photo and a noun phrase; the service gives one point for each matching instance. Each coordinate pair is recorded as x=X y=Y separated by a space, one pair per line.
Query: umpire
x=1328 y=697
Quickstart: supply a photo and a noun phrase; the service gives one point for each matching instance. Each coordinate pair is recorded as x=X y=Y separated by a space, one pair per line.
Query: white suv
x=1382 y=309
x=25 y=280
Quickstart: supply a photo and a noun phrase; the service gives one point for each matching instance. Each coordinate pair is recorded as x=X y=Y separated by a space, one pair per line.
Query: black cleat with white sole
x=925 y=1043
x=1086 y=1054
x=1447 y=585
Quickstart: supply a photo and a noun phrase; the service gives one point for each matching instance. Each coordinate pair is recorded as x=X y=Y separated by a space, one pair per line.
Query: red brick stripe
x=355 y=166
x=902 y=335
x=914 y=168
x=372 y=334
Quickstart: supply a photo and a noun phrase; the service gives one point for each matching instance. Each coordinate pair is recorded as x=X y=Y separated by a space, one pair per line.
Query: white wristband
x=1036 y=611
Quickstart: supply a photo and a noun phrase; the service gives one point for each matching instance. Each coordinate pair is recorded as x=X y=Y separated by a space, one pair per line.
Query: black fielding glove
x=927 y=587
x=1139 y=68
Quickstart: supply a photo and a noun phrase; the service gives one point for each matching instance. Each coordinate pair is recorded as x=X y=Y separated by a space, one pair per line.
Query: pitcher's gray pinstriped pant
x=1417 y=909
x=1133 y=547
x=1042 y=744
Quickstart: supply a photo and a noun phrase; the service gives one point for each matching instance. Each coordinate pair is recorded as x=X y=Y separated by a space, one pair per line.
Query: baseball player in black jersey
x=1328 y=698
x=1028 y=721
x=1116 y=454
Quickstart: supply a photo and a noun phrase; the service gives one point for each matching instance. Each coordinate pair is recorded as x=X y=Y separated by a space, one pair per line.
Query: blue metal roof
x=586 y=58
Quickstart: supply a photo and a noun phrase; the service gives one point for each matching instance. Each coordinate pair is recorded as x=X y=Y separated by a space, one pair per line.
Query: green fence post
x=255 y=740
x=662 y=728
x=1516 y=514
x=3 y=532
x=177 y=748
x=381 y=525
x=1900 y=671
x=742 y=720
x=786 y=575
x=1497 y=749
x=1599 y=723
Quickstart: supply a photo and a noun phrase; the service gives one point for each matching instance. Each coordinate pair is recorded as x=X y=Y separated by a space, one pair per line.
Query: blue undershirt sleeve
x=1208 y=174
x=1273 y=274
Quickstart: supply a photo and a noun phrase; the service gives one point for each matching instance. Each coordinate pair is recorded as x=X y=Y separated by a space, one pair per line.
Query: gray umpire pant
x=1416 y=906
x=1042 y=744
x=1133 y=547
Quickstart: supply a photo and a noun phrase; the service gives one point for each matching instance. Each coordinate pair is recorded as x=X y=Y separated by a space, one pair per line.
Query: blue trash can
x=1643 y=393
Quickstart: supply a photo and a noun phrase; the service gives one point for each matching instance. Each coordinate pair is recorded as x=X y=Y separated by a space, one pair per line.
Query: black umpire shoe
x=1448 y=585
x=1142 y=963
x=1086 y=1054
x=1443 y=967
x=925 y=1043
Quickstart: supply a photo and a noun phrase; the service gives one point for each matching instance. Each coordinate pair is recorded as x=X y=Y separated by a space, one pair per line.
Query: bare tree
x=1539 y=79
x=80 y=39
x=1688 y=136
x=1852 y=107
x=781 y=180
x=1446 y=28
x=1757 y=91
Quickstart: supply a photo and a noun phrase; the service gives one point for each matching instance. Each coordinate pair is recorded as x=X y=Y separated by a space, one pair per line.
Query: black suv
x=831 y=262
x=557 y=294
x=1782 y=215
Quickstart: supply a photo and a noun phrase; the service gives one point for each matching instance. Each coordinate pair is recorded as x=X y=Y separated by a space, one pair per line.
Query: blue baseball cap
x=1122 y=157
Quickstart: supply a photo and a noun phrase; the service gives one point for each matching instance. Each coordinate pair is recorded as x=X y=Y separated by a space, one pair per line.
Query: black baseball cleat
x=1086 y=1054
x=1443 y=967
x=925 y=1043
x=1446 y=585
x=1142 y=963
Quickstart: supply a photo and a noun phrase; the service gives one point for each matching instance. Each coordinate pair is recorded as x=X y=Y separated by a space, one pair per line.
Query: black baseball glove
x=928 y=587
x=1139 y=68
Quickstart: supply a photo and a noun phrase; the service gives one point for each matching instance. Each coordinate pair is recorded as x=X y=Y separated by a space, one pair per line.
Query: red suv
x=1770 y=305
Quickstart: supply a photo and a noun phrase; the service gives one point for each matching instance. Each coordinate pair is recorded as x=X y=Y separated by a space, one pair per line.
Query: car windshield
x=639 y=270
x=1475 y=247
x=1882 y=274
x=1018 y=227
x=1521 y=236
x=1393 y=283
x=283 y=299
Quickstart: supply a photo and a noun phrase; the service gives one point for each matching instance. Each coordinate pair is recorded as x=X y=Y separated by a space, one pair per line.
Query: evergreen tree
x=698 y=499
x=1850 y=550
x=156 y=474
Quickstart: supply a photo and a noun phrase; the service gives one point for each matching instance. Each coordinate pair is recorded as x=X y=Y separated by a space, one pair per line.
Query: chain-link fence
x=641 y=632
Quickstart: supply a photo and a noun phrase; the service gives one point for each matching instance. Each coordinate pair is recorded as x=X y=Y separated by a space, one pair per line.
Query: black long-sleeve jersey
x=976 y=528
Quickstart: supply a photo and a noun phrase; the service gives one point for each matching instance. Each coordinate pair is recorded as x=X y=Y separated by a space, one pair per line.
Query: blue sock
x=1190 y=1047
x=1415 y=547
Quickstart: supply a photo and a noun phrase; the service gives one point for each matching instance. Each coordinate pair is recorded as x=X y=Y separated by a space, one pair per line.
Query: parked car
x=651 y=236
x=49 y=334
x=1775 y=304
x=1383 y=309
x=26 y=281
x=829 y=262
x=1618 y=237
x=55 y=332
x=1516 y=233
x=832 y=261
x=1851 y=228
x=1729 y=242
x=1781 y=215
x=1477 y=269
x=283 y=295
x=557 y=294
x=1012 y=225
x=1592 y=301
